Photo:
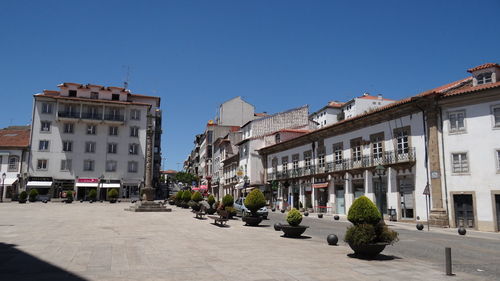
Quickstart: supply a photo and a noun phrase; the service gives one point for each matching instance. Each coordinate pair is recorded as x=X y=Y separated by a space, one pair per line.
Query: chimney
x=366 y=94
x=379 y=96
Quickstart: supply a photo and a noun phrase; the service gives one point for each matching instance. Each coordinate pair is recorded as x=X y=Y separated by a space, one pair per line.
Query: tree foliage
x=185 y=177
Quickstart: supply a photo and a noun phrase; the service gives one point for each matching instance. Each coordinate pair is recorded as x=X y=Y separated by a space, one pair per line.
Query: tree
x=185 y=177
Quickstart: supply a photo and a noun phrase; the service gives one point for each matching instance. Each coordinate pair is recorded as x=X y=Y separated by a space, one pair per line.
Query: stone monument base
x=148 y=206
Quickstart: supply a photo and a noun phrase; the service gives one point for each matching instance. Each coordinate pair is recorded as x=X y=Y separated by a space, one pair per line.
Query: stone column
x=392 y=191
x=438 y=214
x=148 y=187
x=348 y=196
x=369 y=192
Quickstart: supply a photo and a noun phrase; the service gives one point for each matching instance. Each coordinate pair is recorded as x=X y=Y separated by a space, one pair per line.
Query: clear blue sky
x=276 y=54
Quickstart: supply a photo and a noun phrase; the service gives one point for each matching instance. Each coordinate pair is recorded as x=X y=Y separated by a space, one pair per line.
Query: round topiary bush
x=197 y=197
x=92 y=194
x=254 y=201
x=228 y=200
x=113 y=194
x=211 y=200
x=186 y=196
x=178 y=195
x=32 y=195
x=22 y=196
x=363 y=211
x=294 y=217
x=69 y=196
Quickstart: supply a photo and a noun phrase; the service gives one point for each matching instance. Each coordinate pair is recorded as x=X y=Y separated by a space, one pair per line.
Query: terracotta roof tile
x=483 y=66
x=294 y=131
x=335 y=104
x=14 y=138
x=470 y=89
x=90 y=100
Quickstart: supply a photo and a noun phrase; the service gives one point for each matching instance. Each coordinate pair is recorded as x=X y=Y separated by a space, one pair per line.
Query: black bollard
x=447 y=254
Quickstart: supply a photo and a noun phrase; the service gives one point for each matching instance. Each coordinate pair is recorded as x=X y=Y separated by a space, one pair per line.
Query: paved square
x=101 y=241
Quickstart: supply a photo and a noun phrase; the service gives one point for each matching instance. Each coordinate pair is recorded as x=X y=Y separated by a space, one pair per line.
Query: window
x=457 y=123
x=112 y=148
x=402 y=140
x=113 y=131
x=356 y=149
x=88 y=165
x=110 y=166
x=67 y=146
x=277 y=138
x=496 y=116
x=377 y=145
x=94 y=95
x=321 y=161
x=90 y=147
x=307 y=159
x=45 y=126
x=133 y=148
x=13 y=163
x=91 y=129
x=337 y=151
x=484 y=78
x=43 y=145
x=68 y=128
x=498 y=159
x=46 y=108
x=460 y=164
x=284 y=163
x=132 y=166
x=115 y=96
x=66 y=165
x=135 y=114
x=134 y=131
x=72 y=93
x=41 y=164
x=295 y=162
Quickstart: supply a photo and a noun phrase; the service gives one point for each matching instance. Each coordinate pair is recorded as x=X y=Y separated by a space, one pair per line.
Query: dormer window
x=115 y=97
x=72 y=93
x=277 y=138
x=484 y=78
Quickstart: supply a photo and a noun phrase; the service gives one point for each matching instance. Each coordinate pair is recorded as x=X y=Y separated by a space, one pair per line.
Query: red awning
x=320 y=185
x=203 y=187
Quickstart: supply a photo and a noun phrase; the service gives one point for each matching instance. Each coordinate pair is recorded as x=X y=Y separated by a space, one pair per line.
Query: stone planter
x=196 y=207
x=293 y=231
x=112 y=201
x=22 y=201
x=210 y=211
x=67 y=201
x=252 y=220
x=368 y=250
x=171 y=202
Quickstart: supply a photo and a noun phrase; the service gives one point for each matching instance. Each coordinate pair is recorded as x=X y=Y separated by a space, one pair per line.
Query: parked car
x=241 y=210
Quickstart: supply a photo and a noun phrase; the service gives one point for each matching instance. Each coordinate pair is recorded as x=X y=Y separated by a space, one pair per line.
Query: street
x=474 y=255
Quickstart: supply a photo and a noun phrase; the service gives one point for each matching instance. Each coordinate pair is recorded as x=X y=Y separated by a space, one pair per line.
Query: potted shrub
x=227 y=204
x=211 y=202
x=253 y=202
x=113 y=195
x=178 y=198
x=196 y=198
x=92 y=194
x=186 y=197
x=293 y=229
x=369 y=234
x=22 y=197
x=33 y=195
x=69 y=196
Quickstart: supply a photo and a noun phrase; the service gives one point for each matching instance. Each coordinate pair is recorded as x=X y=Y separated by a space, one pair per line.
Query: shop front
x=10 y=187
x=84 y=186
x=131 y=189
x=106 y=185
x=42 y=184
x=321 y=196
x=406 y=187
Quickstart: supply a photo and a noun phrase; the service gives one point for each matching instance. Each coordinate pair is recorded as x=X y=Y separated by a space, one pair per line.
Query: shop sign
x=89 y=180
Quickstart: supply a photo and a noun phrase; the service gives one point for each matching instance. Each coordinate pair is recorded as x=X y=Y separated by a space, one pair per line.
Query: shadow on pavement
x=379 y=257
x=220 y=225
x=260 y=225
x=18 y=265
x=301 y=237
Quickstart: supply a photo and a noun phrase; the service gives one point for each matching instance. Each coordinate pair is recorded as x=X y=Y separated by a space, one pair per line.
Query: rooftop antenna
x=127 y=77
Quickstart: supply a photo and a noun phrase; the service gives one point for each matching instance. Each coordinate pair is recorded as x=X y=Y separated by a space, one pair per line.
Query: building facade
x=442 y=142
x=14 y=150
x=88 y=137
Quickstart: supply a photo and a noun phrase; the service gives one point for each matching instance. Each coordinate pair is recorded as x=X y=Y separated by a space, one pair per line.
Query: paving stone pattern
x=101 y=241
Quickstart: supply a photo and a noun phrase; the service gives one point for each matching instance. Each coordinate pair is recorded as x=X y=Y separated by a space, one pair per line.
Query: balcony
x=91 y=116
x=388 y=158
x=68 y=114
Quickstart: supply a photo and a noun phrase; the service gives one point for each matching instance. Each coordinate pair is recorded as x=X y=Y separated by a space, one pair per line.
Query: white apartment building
x=454 y=127
x=363 y=104
x=327 y=115
x=91 y=137
x=14 y=150
x=255 y=136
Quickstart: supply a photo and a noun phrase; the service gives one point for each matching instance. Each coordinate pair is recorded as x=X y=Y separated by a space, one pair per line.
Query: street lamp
x=380 y=170
x=3 y=186
x=245 y=181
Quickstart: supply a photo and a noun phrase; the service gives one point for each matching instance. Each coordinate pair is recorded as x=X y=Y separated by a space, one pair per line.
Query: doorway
x=497 y=204
x=322 y=200
x=464 y=210
x=339 y=196
x=359 y=189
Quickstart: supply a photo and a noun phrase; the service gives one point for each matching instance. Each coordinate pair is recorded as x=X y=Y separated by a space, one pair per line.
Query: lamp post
x=380 y=171
x=3 y=186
